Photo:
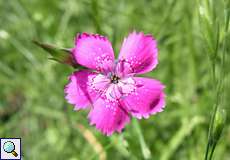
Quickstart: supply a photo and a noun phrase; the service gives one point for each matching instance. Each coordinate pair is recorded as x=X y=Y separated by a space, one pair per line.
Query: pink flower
x=109 y=87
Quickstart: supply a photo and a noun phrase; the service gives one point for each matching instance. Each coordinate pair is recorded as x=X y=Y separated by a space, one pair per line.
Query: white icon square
x=10 y=148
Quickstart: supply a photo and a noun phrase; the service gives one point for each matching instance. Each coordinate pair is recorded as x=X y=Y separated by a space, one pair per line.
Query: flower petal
x=108 y=117
x=127 y=85
x=78 y=91
x=139 y=52
x=94 y=51
x=148 y=98
x=100 y=83
x=114 y=92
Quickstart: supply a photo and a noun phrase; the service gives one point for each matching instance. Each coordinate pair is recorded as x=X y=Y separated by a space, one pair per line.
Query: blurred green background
x=192 y=37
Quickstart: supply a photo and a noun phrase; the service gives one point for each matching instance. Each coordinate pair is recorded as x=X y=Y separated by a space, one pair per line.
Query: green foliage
x=193 y=40
x=214 y=18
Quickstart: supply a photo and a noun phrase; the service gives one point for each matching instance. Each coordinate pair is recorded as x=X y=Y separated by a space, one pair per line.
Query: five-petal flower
x=110 y=87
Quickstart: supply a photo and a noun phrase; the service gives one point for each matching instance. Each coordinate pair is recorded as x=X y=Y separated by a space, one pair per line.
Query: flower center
x=114 y=79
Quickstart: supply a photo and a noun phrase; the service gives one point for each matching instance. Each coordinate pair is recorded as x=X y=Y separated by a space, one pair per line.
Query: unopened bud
x=61 y=55
x=218 y=125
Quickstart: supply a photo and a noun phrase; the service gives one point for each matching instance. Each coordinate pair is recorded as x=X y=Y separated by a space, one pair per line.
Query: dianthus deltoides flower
x=110 y=87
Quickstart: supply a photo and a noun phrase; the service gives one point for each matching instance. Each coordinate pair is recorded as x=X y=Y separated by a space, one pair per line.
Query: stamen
x=114 y=79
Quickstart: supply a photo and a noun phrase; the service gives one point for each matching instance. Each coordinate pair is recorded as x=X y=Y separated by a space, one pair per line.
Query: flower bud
x=217 y=128
x=218 y=125
x=61 y=55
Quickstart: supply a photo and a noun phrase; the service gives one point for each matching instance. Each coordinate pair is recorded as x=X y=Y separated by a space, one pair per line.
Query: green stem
x=96 y=16
x=144 y=148
x=219 y=90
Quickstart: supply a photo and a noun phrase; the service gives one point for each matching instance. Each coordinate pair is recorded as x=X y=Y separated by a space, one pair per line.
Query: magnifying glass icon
x=9 y=147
